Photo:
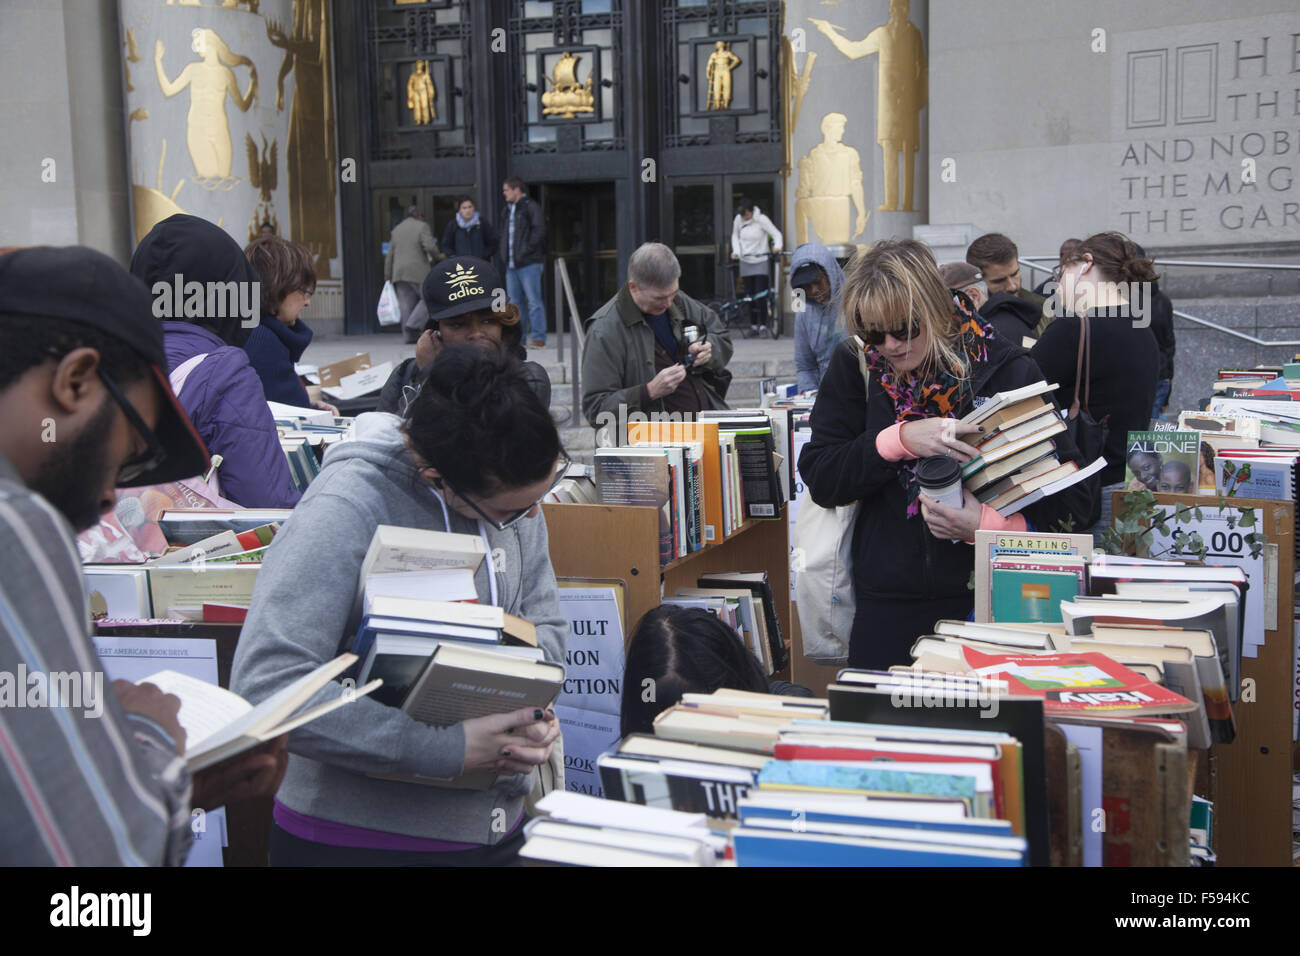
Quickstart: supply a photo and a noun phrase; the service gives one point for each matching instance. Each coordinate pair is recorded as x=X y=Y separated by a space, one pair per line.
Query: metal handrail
x=1032 y=261
x=564 y=296
x=1028 y=261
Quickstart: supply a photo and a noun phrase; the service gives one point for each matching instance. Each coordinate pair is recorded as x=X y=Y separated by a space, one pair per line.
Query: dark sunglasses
x=876 y=337
x=153 y=454
x=561 y=468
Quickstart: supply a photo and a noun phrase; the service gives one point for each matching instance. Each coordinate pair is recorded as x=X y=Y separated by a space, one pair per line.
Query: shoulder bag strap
x=1078 y=365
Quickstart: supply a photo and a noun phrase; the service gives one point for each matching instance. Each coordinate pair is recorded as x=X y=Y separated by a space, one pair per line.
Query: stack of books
x=577 y=487
x=666 y=476
x=706 y=752
x=745 y=602
x=443 y=660
x=305 y=435
x=1017 y=462
x=578 y=830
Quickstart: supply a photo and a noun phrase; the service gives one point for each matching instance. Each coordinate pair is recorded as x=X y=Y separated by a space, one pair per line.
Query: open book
x=219 y=724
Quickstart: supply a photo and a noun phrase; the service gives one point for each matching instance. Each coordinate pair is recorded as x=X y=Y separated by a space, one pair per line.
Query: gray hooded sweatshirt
x=304 y=608
x=817 y=329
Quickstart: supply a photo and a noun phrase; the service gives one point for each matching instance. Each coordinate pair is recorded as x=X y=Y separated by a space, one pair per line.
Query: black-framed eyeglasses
x=561 y=469
x=876 y=337
x=153 y=454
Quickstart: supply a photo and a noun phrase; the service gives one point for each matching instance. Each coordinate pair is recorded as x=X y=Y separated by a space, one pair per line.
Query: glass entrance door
x=700 y=214
x=581 y=228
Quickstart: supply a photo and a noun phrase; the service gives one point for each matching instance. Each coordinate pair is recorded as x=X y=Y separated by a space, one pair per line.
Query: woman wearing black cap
x=460 y=296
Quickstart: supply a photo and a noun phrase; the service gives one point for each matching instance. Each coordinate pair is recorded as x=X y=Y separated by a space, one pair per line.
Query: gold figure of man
x=567 y=96
x=903 y=90
x=420 y=94
x=830 y=180
x=209 y=79
x=718 y=73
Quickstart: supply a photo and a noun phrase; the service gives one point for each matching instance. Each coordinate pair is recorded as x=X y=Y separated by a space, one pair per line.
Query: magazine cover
x=1162 y=461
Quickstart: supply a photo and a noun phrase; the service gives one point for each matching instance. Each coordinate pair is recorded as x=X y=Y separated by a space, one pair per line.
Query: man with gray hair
x=652 y=348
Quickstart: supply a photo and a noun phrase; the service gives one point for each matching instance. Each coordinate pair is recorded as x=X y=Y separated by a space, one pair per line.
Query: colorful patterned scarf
x=936 y=393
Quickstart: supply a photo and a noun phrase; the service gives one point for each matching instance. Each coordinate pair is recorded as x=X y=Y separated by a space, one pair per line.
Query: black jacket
x=530 y=234
x=1125 y=364
x=1162 y=327
x=479 y=241
x=894 y=556
x=1011 y=316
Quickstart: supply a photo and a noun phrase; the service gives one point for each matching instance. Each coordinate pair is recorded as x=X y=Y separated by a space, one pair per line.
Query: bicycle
x=735 y=312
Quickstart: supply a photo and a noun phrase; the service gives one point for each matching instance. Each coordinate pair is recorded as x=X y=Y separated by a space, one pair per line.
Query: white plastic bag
x=389 y=311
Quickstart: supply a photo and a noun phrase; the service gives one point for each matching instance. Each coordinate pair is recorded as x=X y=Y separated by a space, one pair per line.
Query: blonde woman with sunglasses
x=930 y=362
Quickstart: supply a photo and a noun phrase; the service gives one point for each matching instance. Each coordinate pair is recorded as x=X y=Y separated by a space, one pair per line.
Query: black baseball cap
x=81 y=285
x=458 y=285
x=805 y=275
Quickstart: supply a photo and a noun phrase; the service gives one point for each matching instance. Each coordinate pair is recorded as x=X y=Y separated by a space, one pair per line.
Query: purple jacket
x=223 y=397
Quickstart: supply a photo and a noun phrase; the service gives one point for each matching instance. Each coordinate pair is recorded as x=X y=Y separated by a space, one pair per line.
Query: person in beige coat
x=412 y=251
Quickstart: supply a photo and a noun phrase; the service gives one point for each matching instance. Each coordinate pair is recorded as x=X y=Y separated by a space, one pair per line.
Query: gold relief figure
x=150 y=205
x=567 y=96
x=132 y=56
x=263 y=173
x=903 y=91
x=796 y=84
x=209 y=79
x=718 y=73
x=830 y=181
x=420 y=95
x=310 y=153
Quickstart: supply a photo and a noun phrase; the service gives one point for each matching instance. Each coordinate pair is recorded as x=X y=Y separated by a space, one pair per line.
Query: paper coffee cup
x=940 y=477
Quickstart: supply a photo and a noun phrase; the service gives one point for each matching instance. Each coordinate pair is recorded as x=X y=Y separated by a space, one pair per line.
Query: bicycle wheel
x=775 y=321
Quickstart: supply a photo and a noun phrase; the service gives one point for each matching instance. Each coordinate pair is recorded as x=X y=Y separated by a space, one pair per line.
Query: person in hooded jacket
x=817 y=328
x=930 y=361
x=1013 y=318
x=209 y=370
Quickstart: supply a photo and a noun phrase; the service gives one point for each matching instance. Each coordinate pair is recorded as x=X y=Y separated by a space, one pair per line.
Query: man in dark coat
x=521 y=247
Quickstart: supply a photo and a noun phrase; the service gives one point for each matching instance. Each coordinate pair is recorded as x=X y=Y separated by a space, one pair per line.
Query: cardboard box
x=332 y=374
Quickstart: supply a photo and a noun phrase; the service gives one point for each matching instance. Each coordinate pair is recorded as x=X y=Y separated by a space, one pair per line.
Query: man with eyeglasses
x=652 y=348
x=85 y=408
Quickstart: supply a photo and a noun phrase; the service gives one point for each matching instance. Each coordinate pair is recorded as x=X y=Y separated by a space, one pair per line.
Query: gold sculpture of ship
x=567 y=96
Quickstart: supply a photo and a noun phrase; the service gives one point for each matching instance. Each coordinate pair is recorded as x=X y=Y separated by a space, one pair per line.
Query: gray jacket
x=303 y=608
x=411 y=251
x=818 y=328
x=618 y=356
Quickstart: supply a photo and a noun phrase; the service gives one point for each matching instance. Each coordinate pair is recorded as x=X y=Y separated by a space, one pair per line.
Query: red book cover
x=1073 y=683
x=224 y=614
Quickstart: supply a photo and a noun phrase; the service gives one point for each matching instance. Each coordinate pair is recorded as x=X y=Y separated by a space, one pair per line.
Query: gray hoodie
x=303 y=609
x=817 y=329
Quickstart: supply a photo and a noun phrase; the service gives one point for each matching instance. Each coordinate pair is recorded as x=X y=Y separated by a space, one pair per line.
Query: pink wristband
x=990 y=520
x=889 y=444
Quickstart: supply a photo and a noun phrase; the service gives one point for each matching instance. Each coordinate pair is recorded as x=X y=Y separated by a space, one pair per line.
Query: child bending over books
x=475 y=455
x=686 y=651
x=929 y=361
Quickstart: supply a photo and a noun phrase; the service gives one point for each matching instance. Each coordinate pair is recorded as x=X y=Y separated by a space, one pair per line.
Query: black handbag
x=1088 y=434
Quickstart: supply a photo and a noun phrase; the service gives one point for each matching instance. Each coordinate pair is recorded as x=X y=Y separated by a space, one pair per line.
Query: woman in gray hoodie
x=475 y=454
